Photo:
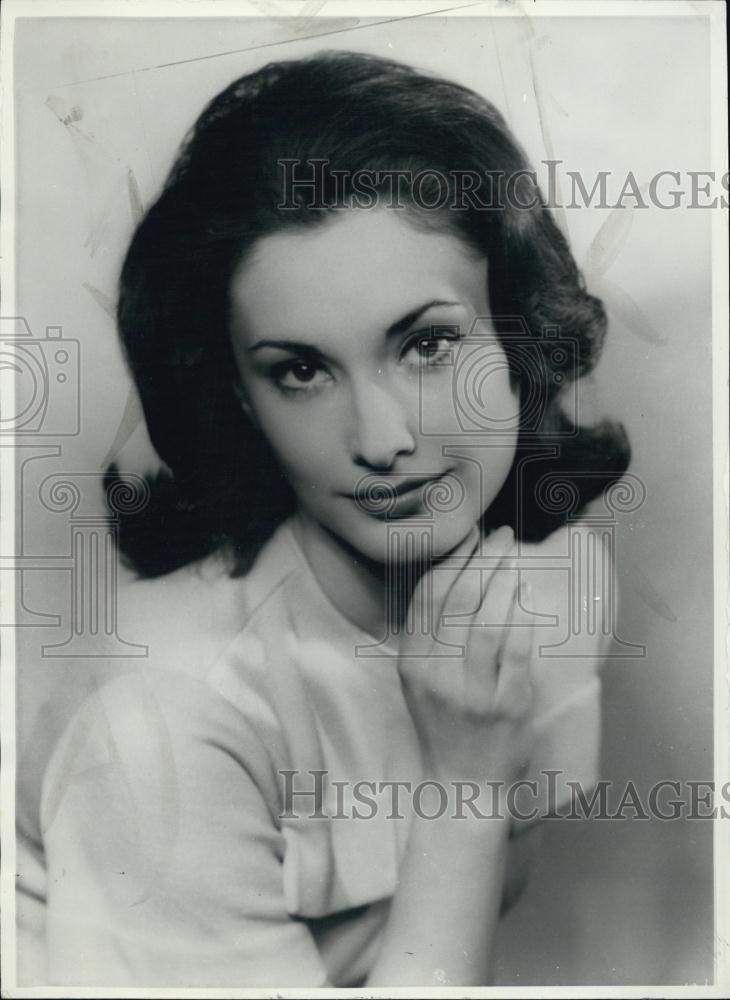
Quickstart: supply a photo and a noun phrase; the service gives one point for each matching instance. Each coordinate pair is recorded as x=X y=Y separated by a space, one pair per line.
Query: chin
x=408 y=539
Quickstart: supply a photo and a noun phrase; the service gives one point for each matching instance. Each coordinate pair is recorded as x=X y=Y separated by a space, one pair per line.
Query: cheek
x=489 y=431
x=303 y=445
x=481 y=471
x=501 y=445
x=472 y=397
x=499 y=460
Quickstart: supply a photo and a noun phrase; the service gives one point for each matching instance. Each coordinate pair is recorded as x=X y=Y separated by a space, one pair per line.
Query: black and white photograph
x=364 y=448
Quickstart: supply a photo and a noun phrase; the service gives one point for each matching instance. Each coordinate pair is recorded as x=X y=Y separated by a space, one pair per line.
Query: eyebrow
x=400 y=326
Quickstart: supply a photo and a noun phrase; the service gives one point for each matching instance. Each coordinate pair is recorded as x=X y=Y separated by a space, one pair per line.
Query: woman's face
x=365 y=358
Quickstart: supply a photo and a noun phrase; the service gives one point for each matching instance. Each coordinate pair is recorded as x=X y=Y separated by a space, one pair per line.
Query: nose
x=381 y=431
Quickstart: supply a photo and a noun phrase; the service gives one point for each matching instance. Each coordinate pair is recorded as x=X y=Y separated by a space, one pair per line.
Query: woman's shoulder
x=185 y=621
x=171 y=680
x=182 y=620
x=151 y=730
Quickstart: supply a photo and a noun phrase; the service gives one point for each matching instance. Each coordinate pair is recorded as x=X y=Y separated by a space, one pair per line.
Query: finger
x=499 y=582
x=496 y=537
x=432 y=589
x=465 y=601
x=514 y=679
x=484 y=626
x=447 y=569
x=495 y=548
x=492 y=621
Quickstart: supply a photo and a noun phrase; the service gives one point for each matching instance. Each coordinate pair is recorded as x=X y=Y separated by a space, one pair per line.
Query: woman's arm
x=446 y=907
x=472 y=717
x=524 y=844
x=163 y=857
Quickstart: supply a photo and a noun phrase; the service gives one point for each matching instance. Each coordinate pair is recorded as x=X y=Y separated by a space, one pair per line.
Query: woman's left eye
x=299 y=376
x=427 y=348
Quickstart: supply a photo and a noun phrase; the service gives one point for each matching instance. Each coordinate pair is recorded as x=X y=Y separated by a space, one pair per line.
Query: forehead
x=360 y=270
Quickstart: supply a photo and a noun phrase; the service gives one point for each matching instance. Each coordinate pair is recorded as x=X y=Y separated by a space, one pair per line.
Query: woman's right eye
x=299 y=376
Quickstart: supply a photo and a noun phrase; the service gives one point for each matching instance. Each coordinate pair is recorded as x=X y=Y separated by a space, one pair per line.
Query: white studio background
x=102 y=104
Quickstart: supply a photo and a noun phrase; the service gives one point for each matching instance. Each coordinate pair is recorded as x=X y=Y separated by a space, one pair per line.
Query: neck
x=355 y=585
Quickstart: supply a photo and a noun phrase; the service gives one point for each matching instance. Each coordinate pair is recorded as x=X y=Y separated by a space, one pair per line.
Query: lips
x=394 y=484
x=411 y=485
x=389 y=496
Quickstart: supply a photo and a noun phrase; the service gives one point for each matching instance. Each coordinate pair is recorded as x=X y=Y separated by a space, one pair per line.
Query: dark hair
x=221 y=488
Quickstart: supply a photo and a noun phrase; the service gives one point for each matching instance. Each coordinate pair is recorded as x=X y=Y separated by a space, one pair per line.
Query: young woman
x=340 y=316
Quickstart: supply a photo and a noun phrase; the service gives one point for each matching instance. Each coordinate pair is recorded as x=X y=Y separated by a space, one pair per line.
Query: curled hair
x=221 y=488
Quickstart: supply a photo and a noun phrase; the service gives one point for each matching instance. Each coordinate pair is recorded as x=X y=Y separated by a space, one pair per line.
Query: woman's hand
x=471 y=710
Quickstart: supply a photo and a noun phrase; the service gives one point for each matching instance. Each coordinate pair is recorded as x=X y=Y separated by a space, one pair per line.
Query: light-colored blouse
x=156 y=847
